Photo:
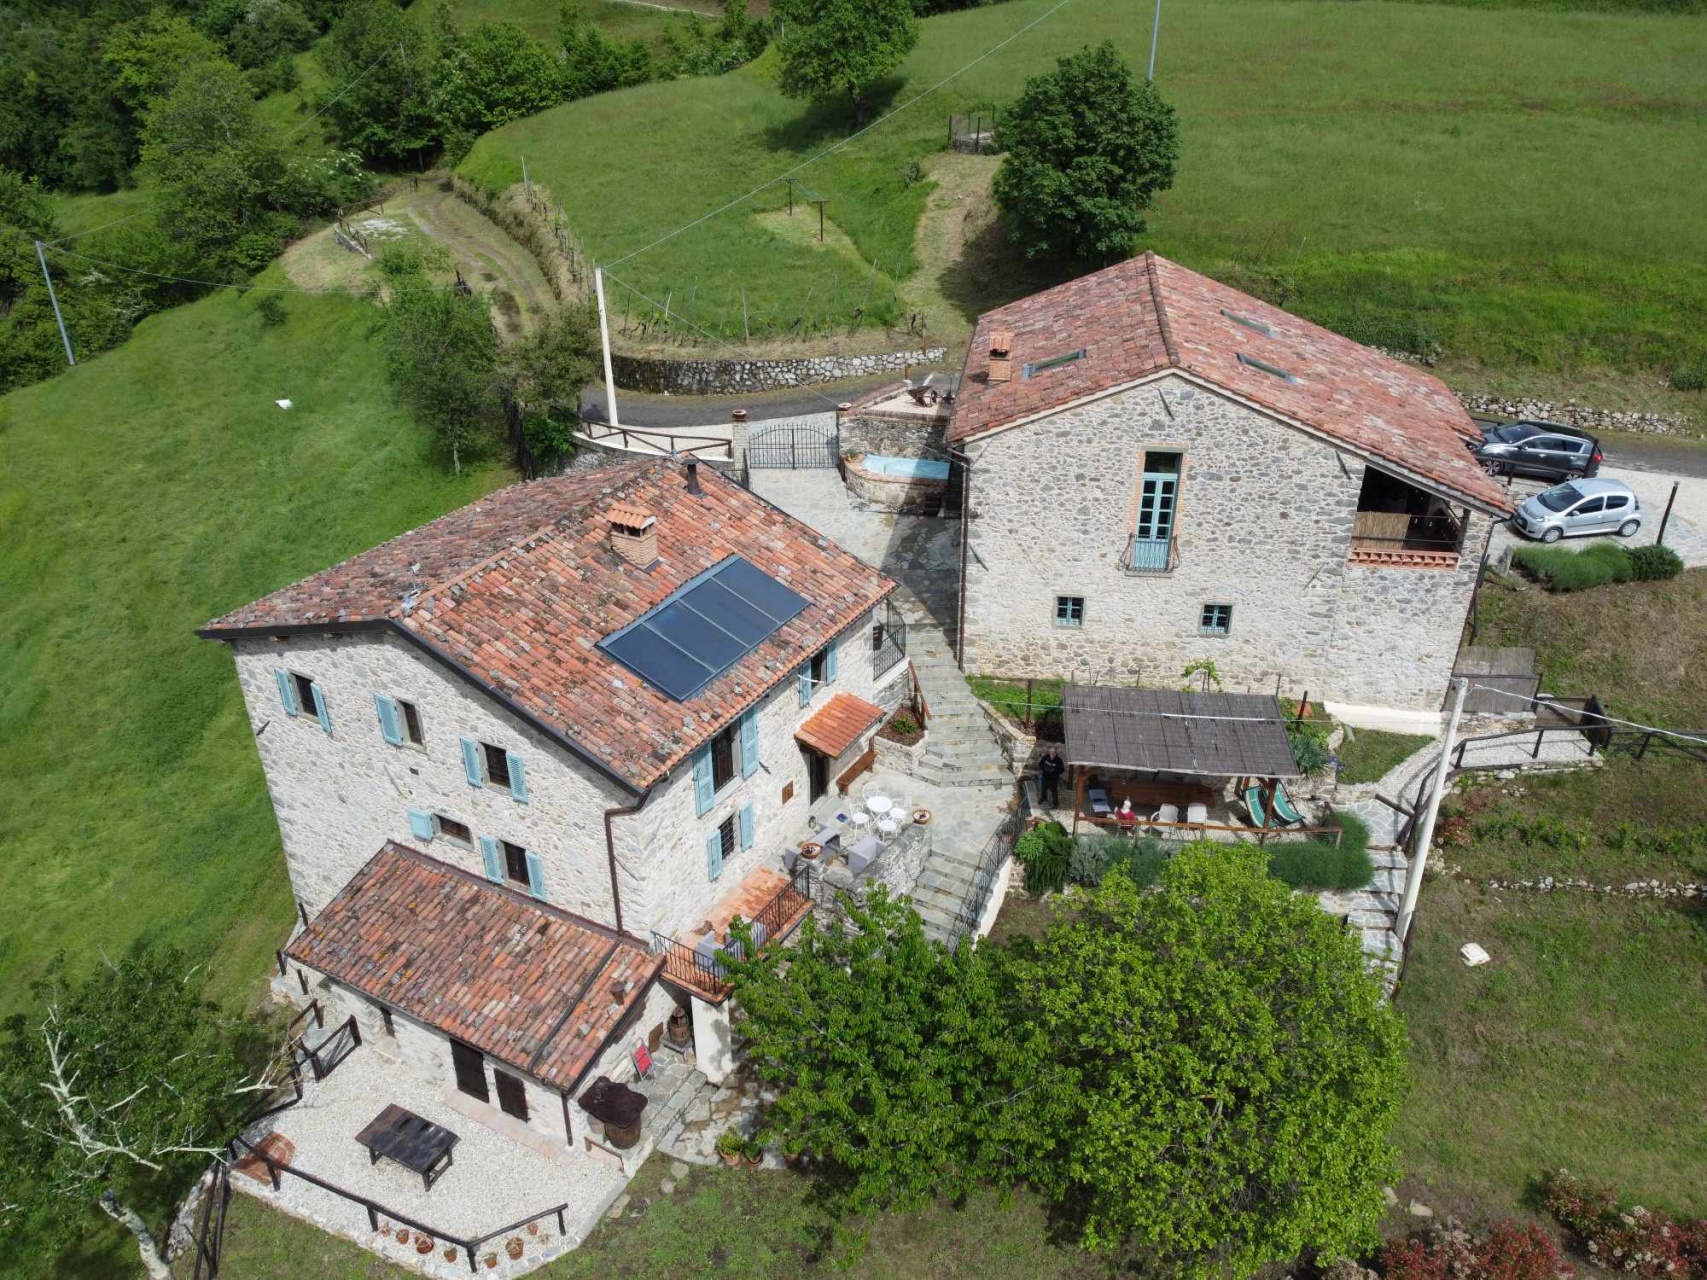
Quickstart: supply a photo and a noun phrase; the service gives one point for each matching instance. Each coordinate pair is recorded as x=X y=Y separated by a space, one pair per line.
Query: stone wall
x=895 y=435
x=892 y=493
x=1264 y=524
x=340 y=796
x=1575 y=415
x=733 y=375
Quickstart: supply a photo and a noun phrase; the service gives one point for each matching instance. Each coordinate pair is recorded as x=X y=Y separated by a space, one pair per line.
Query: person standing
x=1049 y=771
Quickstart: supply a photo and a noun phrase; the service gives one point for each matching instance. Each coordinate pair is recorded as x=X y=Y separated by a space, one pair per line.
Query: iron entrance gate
x=793 y=443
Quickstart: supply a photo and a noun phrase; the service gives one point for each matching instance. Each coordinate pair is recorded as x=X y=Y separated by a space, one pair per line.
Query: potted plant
x=729 y=1146
x=513 y=1247
x=423 y=1244
x=810 y=850
x=450 y=1253
x=753 y=1152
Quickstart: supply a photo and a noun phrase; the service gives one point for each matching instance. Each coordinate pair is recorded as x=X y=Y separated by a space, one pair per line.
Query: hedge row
x=1560 y=570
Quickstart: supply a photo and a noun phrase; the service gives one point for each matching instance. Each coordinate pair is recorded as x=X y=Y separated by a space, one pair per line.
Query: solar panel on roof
x=702 y=629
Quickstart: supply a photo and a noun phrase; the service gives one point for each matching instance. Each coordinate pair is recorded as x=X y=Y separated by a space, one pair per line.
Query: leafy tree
x=595 y=63
x=126 y=1082
x=144 y=57
x=493 y=75
x=891 y=1053
x=1220 y=1070
x=1088 y=147
x=441 y=354
x=543 y=376
x=222 y=183
x=831 y=48
x=386 y=60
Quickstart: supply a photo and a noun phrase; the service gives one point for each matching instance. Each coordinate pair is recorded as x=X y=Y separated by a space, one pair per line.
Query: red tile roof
x=1148 y=314
x=836 y=726
x=526 y=983
x=517 y=589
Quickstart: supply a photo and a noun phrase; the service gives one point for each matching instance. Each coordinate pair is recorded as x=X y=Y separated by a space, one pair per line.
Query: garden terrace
x=1170 y=755
x=773 y=904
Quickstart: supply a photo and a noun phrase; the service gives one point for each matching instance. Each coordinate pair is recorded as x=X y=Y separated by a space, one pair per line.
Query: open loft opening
x=1397 y=524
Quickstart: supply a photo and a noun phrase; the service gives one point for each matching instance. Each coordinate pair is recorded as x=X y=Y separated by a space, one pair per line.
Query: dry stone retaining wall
x=1575 y=415
x=736 y=374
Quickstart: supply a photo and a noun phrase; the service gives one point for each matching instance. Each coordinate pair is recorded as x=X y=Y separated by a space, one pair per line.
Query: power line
x=829 y=151
x=227 y=284
x=1599 y=715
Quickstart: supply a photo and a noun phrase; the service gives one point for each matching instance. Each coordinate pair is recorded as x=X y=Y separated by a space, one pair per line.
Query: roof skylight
x=1054 y=362
x=1266 y=367
x=1257 y=325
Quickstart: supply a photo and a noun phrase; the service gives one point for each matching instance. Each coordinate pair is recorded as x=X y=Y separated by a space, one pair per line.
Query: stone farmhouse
x=527 y=757
x=1160 y=470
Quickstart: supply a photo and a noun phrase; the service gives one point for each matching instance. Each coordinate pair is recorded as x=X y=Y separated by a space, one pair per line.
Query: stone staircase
x=961 y=750
x=943 y=893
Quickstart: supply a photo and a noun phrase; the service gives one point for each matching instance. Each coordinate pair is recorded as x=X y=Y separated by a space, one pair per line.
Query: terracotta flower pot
x=513 y=1247
x=533 y=1228
x=754 y=1161
x=423 y=1244
x=811 y=851
x=921 y=817
x=491 y=1261
x=402 y=1235
x=450 y=1253
x=730 y=1158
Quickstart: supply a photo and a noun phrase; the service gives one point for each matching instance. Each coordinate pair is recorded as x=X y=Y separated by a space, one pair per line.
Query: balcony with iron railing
x=1147 y=555
x=773 y=908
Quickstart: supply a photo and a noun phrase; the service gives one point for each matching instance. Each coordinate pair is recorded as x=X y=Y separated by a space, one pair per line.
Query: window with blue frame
x=1216 y=619
x=1069 y=611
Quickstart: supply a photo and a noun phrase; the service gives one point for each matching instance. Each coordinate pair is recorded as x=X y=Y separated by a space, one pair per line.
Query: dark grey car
x=1544 y=449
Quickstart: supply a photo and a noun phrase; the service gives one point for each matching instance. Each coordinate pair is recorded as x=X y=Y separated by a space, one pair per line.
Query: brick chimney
x=1001 y=345
x=633 y=534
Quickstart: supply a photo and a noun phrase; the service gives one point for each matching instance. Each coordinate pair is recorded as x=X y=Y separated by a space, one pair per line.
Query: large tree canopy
x=1218 y=1070
x=1088 y=148
x=839 y=47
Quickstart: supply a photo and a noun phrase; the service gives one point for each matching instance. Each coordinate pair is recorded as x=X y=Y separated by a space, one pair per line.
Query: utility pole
x=1425 y=833
x=821 y=203
x=1155 y=33
x=604 y=337
x=1659 y=541
x=41 y=257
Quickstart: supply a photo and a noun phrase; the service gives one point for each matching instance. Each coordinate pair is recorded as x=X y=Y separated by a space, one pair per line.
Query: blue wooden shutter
x=287 y=694
x=389 y=728
x=471 y=763
x=830 y=663
x=804 y=681
x=749 y=742
x=704 y=794
x=536 y=876
x=746 y=826
x=714 y=855
x=421 y=824
x=320 y=712
x=518 y=779
x=489 y=855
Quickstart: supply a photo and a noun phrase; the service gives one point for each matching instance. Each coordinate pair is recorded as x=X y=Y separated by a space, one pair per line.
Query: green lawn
x=741 y=1224
x=1368 y=756
x=1512 y=183
x=141 y=494
x=1579 y=1045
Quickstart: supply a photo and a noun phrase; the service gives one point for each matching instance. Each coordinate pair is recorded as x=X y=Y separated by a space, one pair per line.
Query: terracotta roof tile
x=836 y=725
x=523 y=982
x=1149 y=314
x=518 y=588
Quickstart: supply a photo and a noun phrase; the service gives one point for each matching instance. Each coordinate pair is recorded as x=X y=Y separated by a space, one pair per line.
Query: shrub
x=1649 y=564
x=1507 y=1252
x=1689 y=377
x=1561 y=570
x=1045 y=852
x=1321 y=864
x=1637 y=1241
x=904 y=724
x=1089 y=860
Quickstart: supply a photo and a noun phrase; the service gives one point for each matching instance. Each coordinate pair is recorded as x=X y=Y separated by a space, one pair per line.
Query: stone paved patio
x=496 y=1178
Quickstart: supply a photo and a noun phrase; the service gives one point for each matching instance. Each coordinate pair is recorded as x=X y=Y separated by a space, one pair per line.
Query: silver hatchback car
x=1579 y=507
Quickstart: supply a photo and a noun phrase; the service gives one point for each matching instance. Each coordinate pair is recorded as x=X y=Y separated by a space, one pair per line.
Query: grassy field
x=1369 y=756
x=1505 y=182
x=140 y=495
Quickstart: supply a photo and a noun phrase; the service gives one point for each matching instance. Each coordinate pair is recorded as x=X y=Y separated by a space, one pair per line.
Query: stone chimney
x=1001 y=346
x=633 y=534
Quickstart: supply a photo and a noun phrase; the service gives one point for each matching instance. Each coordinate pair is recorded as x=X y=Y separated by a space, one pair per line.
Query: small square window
x=1216 y=619
x=451 y=829
x=1069 y=611
x=304 y=693
x=515 y=863
x=412 y=723
x=726 y=836
x=497 y=765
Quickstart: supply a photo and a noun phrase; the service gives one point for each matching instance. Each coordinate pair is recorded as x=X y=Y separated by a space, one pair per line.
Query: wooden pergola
x=1163 y=740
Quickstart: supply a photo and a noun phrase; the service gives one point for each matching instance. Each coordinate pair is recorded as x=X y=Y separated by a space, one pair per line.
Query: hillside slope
x=1509 y=183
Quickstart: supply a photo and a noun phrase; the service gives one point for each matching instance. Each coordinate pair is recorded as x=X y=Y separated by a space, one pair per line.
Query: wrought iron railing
x=470 y=1245
x=686 y=966
x=996 y=851
x=888 y=642
x=1147 y=555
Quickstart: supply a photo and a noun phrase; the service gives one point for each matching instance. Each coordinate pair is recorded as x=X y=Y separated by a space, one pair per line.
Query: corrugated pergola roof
x=1222 y=735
